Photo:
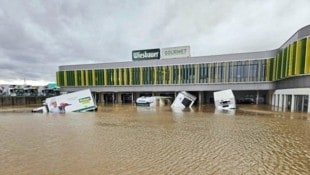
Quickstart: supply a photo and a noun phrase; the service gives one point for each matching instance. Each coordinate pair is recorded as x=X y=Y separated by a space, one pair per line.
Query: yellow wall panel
x=282 y=63
x=75 y=78
x=105 y=77
x=114 y=77
x=155 y=75
x=94 y=77
x=307 y=60
x=120 y=76
x=164 y=74
x=125 y=76
x=130 y=76
x=298 y=57
x=86 y=77
x=83 y=78
x=141 y=75
x=196 y=73
x=65 y=78
x=290 y=66
x=170 y=74
x=287 y=62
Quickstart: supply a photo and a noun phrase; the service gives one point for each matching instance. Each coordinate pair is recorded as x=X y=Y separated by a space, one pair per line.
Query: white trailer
x=79 y=101
x=183 y=100
x=224 y=99
x=153 y=101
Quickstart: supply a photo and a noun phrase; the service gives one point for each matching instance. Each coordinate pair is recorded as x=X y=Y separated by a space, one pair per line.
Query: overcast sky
x=38 y=36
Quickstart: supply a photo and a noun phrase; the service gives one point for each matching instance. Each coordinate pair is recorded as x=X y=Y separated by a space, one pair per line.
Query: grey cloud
x=38 y=36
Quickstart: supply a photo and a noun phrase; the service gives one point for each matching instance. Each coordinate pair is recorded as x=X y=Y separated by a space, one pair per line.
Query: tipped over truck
x=79 y=101
x=224 y=99
x=183 y=100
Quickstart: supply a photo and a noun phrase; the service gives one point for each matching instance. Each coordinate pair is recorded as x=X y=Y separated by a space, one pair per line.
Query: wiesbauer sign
x=145 y=54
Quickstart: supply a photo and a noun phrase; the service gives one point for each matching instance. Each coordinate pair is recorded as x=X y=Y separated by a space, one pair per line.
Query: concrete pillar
x=280 y=101
x=293 y=103
x=200 y=97
x=308 y=104
x=269 y=97
x=113 y=97
x=284 y=102
x=276 y=100
x=257 y=97
x=102 y=97
x=135 y=96
x=95 y=97
x=302 y=103
x=119 y=97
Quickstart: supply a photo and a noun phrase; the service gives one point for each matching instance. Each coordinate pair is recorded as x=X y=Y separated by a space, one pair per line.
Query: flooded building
x=253 y=77
x=293 y=99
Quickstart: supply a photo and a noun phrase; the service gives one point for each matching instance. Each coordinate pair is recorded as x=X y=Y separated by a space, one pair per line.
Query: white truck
x=183 y=100
x=79 y=101
x=224 y=99
x=153 y=101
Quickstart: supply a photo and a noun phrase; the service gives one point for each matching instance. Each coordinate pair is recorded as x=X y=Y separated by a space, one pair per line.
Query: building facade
x=253 y=76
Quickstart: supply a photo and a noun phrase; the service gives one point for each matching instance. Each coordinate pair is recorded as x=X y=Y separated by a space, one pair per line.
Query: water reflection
x=124 y=139
x=230 y=112
x=146 y=109
x=180 y=111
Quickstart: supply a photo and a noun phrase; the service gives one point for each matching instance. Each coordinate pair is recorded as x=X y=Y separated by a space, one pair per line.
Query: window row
x=240 y=71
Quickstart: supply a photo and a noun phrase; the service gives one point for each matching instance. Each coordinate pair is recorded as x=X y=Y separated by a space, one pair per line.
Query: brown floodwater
x=125 y=139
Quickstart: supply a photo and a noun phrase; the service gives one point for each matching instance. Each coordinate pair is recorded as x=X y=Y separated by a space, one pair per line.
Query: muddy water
x=124 y=139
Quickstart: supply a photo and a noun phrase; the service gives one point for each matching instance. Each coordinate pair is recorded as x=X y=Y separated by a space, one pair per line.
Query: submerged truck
x=183 y=100
x=79 y=101
x=224 y=99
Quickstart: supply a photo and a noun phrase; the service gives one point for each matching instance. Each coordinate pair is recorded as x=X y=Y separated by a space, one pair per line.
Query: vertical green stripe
x=298 y=58
x=274 y=68
x=170 y=74
x=179 y=74
x=267 y=70
x=303 y=55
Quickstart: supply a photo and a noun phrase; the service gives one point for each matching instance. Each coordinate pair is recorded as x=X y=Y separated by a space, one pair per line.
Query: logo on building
x=175 y=52
x=145 y=54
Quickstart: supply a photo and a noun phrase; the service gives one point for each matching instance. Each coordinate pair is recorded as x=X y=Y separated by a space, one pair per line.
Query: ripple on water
x=130 y=141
